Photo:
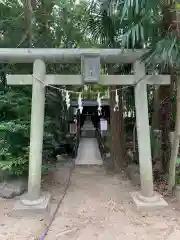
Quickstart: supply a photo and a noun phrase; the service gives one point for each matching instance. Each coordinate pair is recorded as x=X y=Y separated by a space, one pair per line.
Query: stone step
x=88 y=152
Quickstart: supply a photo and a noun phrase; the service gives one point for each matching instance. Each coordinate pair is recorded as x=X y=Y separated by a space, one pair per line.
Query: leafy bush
x=178 y=176
x=14 y=139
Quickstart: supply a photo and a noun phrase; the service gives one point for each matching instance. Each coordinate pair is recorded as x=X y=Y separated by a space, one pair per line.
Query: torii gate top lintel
x=63 y=55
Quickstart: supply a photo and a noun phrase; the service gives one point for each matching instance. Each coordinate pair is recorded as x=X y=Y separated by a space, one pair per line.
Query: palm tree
x=152 y=24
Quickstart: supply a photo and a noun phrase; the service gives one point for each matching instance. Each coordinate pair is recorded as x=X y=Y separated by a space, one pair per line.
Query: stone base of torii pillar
x=27 y=207
x=146 y=203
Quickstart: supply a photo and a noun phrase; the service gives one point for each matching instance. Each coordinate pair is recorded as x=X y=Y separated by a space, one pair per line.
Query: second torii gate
x=35 y=199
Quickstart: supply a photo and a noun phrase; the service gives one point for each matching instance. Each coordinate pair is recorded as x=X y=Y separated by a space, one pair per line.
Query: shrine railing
x=76 y=145
x=102 y=146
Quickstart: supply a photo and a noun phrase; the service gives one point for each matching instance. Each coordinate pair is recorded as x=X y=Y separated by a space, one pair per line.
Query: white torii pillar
x=143 y=133
x=147 y=197
x=37 y=130
x=34 y=197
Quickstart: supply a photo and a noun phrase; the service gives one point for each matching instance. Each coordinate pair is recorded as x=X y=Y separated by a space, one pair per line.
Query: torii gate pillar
x=35 y=199
x=146 y=197
x=37 y=129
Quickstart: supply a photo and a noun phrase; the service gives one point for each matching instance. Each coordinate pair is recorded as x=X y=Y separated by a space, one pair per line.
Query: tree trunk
x=117 y=131
x=44 y=19
x=113 y=164
x=155 y=114
x=164 y=116
x=120 y=130
x=29 y=21
x=165 y=94
x=176 y=138
x=155 y=126
x=175 y=145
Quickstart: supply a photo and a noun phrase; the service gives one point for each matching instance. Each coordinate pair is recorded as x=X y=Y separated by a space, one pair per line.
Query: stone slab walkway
x=88 y=152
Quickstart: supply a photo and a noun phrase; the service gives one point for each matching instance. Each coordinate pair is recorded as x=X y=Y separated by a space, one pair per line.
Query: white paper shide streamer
x=67 y=100
x=116 y=107
x=80 y=107
x=76 y=112
x=99 y=104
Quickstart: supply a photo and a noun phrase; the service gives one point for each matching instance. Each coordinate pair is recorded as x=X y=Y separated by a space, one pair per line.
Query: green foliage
x=14 y=130
x=178 y=177
x=54 y=24
x=13 y=144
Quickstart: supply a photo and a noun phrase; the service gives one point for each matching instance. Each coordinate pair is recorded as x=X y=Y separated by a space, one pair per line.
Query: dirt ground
x=97 y=206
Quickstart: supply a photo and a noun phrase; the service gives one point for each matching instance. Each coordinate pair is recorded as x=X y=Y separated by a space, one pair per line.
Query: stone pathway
x=98 y=206
x=88 y=152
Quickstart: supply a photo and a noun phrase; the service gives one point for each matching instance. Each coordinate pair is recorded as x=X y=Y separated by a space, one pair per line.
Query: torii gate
x=35 y=199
